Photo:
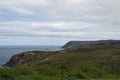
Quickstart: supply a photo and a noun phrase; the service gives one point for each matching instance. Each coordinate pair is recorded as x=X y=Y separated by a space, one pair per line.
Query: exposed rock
x=73 y=44
x=17 y=58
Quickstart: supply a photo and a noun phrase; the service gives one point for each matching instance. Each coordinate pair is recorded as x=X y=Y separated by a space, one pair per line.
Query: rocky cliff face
x=73 y=44
x=17 y=58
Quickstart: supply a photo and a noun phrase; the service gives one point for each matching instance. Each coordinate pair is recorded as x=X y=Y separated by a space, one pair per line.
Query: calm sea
x=6 y=51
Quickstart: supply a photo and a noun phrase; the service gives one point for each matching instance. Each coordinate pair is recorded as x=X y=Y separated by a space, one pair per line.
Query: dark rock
x=17 y=58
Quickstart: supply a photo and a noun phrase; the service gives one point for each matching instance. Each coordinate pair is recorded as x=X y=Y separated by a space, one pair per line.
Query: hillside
x=75 y=63
x=72 y=44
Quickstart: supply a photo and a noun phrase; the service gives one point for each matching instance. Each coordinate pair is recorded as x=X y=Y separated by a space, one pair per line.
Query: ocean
x=7 y=51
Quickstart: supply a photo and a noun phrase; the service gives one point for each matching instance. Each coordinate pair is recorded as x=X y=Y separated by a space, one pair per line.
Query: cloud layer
x=58 y=21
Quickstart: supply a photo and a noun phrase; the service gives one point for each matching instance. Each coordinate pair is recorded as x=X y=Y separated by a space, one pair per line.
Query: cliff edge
x=72 y=44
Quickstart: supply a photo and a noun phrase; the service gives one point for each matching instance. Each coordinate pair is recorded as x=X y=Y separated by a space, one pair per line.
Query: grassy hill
x=76 y=63
x=100 y=43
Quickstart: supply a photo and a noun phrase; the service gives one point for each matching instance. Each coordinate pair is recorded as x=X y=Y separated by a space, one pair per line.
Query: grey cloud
x=71 y=19
x=55 y=29
x=66 y=9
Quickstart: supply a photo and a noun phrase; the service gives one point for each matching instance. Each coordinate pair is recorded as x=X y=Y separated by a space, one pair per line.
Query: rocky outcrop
x=73 y=44
x=17 y=58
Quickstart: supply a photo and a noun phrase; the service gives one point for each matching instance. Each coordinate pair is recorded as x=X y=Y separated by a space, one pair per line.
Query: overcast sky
x=54 y=22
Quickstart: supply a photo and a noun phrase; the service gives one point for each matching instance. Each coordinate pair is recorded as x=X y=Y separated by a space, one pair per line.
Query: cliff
x=29 y=57
x=16 y=59
x=91 y=62
x=102 y=43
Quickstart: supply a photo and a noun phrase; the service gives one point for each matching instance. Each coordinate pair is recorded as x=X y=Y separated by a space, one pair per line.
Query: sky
x=55 y=22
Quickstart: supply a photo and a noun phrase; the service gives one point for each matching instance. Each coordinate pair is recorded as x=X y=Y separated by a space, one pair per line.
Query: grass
x=22 y=74
x=71 y=64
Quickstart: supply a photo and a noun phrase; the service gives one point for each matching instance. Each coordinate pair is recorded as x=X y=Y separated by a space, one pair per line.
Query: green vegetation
x=77 y=63
x=22 y=74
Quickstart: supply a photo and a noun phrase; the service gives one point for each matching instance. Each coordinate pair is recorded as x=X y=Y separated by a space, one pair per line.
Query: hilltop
x=72 y=44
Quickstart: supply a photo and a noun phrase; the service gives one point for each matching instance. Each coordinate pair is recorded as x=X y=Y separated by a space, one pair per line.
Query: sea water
x=7 y=51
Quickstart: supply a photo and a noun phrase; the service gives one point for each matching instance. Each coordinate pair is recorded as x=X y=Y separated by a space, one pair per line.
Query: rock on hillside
x=17 y=58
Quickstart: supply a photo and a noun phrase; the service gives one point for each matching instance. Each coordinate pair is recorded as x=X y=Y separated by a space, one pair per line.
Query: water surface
x=6 y=51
